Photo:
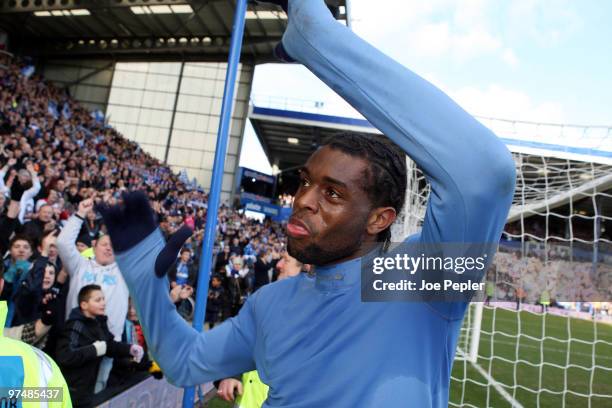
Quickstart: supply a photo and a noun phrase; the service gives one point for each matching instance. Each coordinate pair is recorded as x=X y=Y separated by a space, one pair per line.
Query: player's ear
x=380 y=219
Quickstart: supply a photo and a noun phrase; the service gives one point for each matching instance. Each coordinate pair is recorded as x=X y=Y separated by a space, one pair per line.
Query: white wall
x=141 y=102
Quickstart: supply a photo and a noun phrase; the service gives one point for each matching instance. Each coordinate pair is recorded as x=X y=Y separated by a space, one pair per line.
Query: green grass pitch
x=553 y=355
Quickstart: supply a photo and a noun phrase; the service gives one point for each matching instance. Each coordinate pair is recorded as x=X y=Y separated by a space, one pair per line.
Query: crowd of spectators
x=567 y=282
x=285 y=200
x=57 y=160
x=540 y=259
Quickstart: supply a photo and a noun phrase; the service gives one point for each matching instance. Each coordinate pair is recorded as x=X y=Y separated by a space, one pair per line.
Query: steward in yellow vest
x=545 y=300
x=255 y=392
x=24 y=366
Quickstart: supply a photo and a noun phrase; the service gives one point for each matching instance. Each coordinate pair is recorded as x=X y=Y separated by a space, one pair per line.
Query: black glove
x=279 y=51
x=50 y=309
x=128 y=223
x=282 y=55
x=17 y=190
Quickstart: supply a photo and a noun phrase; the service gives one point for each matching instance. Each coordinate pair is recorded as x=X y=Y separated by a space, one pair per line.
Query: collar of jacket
x=77 y=314
x=342 y=276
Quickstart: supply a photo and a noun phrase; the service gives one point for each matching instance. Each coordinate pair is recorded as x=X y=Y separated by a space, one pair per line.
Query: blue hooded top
x=313 y=340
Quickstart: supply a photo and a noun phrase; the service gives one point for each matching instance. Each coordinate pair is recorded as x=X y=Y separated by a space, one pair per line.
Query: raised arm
x=186 y=356
x=9 y=223
x=3 y=171
x=66 y=241
x=10 y=163
x=30 y=193
x=470 y=170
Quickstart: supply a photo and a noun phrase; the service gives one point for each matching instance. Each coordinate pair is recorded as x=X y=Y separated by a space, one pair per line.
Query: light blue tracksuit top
x=312 y=340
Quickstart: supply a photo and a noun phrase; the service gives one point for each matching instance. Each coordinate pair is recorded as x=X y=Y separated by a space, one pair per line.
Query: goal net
x=544 y=337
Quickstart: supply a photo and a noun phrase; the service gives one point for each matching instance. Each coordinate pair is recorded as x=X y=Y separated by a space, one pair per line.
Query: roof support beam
x=113 y=31
x=92 y=73
x=141 y=48
x=31 y=6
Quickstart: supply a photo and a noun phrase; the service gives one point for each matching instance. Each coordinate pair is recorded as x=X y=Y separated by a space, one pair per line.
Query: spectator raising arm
x=9 y=223
x=29 y=194
x=66 y=241
x=3 y=188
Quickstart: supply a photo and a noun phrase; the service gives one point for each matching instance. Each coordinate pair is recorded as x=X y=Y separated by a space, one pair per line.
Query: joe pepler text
x=449 y=272
x=426 y=286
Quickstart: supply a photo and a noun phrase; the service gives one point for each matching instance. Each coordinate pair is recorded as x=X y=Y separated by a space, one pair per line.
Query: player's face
x=330 y=210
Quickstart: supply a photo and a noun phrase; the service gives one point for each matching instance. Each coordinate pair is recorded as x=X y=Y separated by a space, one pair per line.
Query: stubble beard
x=316 y=255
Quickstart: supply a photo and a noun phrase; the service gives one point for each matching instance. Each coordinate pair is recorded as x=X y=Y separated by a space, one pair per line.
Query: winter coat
x=28 y=295
x=192 y=270
x=76 y=354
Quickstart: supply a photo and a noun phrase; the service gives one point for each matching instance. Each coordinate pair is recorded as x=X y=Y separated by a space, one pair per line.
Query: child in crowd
x=185 y=272
x=133 y=333
x=236 y=273
x=83 y=343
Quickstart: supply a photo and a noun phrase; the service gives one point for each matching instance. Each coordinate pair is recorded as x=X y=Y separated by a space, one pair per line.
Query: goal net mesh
x=544 y=337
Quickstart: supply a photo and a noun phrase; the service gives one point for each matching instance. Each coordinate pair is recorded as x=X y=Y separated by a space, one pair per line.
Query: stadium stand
x=61 y=154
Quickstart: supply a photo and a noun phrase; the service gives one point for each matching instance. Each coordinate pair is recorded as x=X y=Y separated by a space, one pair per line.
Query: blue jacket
x=313 y=341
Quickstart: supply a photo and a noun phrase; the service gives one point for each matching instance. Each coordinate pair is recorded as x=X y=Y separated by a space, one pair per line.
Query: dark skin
x=333 y=219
